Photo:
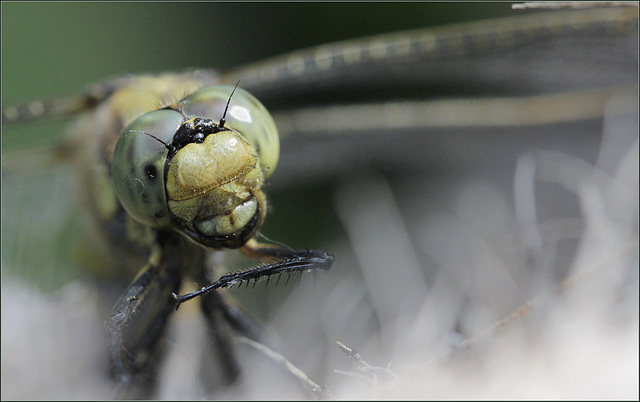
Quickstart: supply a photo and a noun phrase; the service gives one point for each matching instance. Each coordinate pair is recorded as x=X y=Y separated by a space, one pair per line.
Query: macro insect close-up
x=473 y=168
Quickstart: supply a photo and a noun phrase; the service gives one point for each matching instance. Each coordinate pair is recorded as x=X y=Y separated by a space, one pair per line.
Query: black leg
x=222 y=367
x=226 y=320
x=137 y=323
x=285 y=261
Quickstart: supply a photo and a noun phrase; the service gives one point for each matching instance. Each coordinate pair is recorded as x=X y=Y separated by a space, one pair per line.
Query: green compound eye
x=246 y=115
x=181 y=169
x=139 y=166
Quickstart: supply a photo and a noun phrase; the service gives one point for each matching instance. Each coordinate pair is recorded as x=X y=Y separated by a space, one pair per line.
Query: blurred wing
x=423 y=97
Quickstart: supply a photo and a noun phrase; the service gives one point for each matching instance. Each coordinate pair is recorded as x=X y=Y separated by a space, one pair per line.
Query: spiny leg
x=226 y=320
x=285 y=261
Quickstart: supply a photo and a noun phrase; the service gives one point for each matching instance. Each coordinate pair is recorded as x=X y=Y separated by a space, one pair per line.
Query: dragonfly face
x=203 y=178
x=430 y=242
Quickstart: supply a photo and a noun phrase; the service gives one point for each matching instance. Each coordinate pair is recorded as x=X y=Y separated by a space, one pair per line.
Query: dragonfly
x=378 y=153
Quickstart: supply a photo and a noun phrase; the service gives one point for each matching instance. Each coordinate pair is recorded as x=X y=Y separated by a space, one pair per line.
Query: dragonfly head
x=172 y=170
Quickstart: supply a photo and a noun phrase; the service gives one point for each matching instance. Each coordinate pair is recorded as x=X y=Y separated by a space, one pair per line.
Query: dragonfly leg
x=136 y=325
x=282 y=260
x=286 y=260
x=223 y=367
x=227 y=321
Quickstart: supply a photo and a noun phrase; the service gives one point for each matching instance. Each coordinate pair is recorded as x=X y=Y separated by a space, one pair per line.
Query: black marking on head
x=193 y=131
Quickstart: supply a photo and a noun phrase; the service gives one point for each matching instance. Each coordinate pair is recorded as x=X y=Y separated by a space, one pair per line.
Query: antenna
x=222 y=120
x=168 y=146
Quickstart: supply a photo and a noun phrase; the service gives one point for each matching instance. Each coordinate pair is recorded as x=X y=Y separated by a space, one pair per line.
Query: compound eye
x=246 y=115
x=139 y=164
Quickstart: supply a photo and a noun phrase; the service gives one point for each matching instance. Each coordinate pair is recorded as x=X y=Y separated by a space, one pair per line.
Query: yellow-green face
x=209 y=187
